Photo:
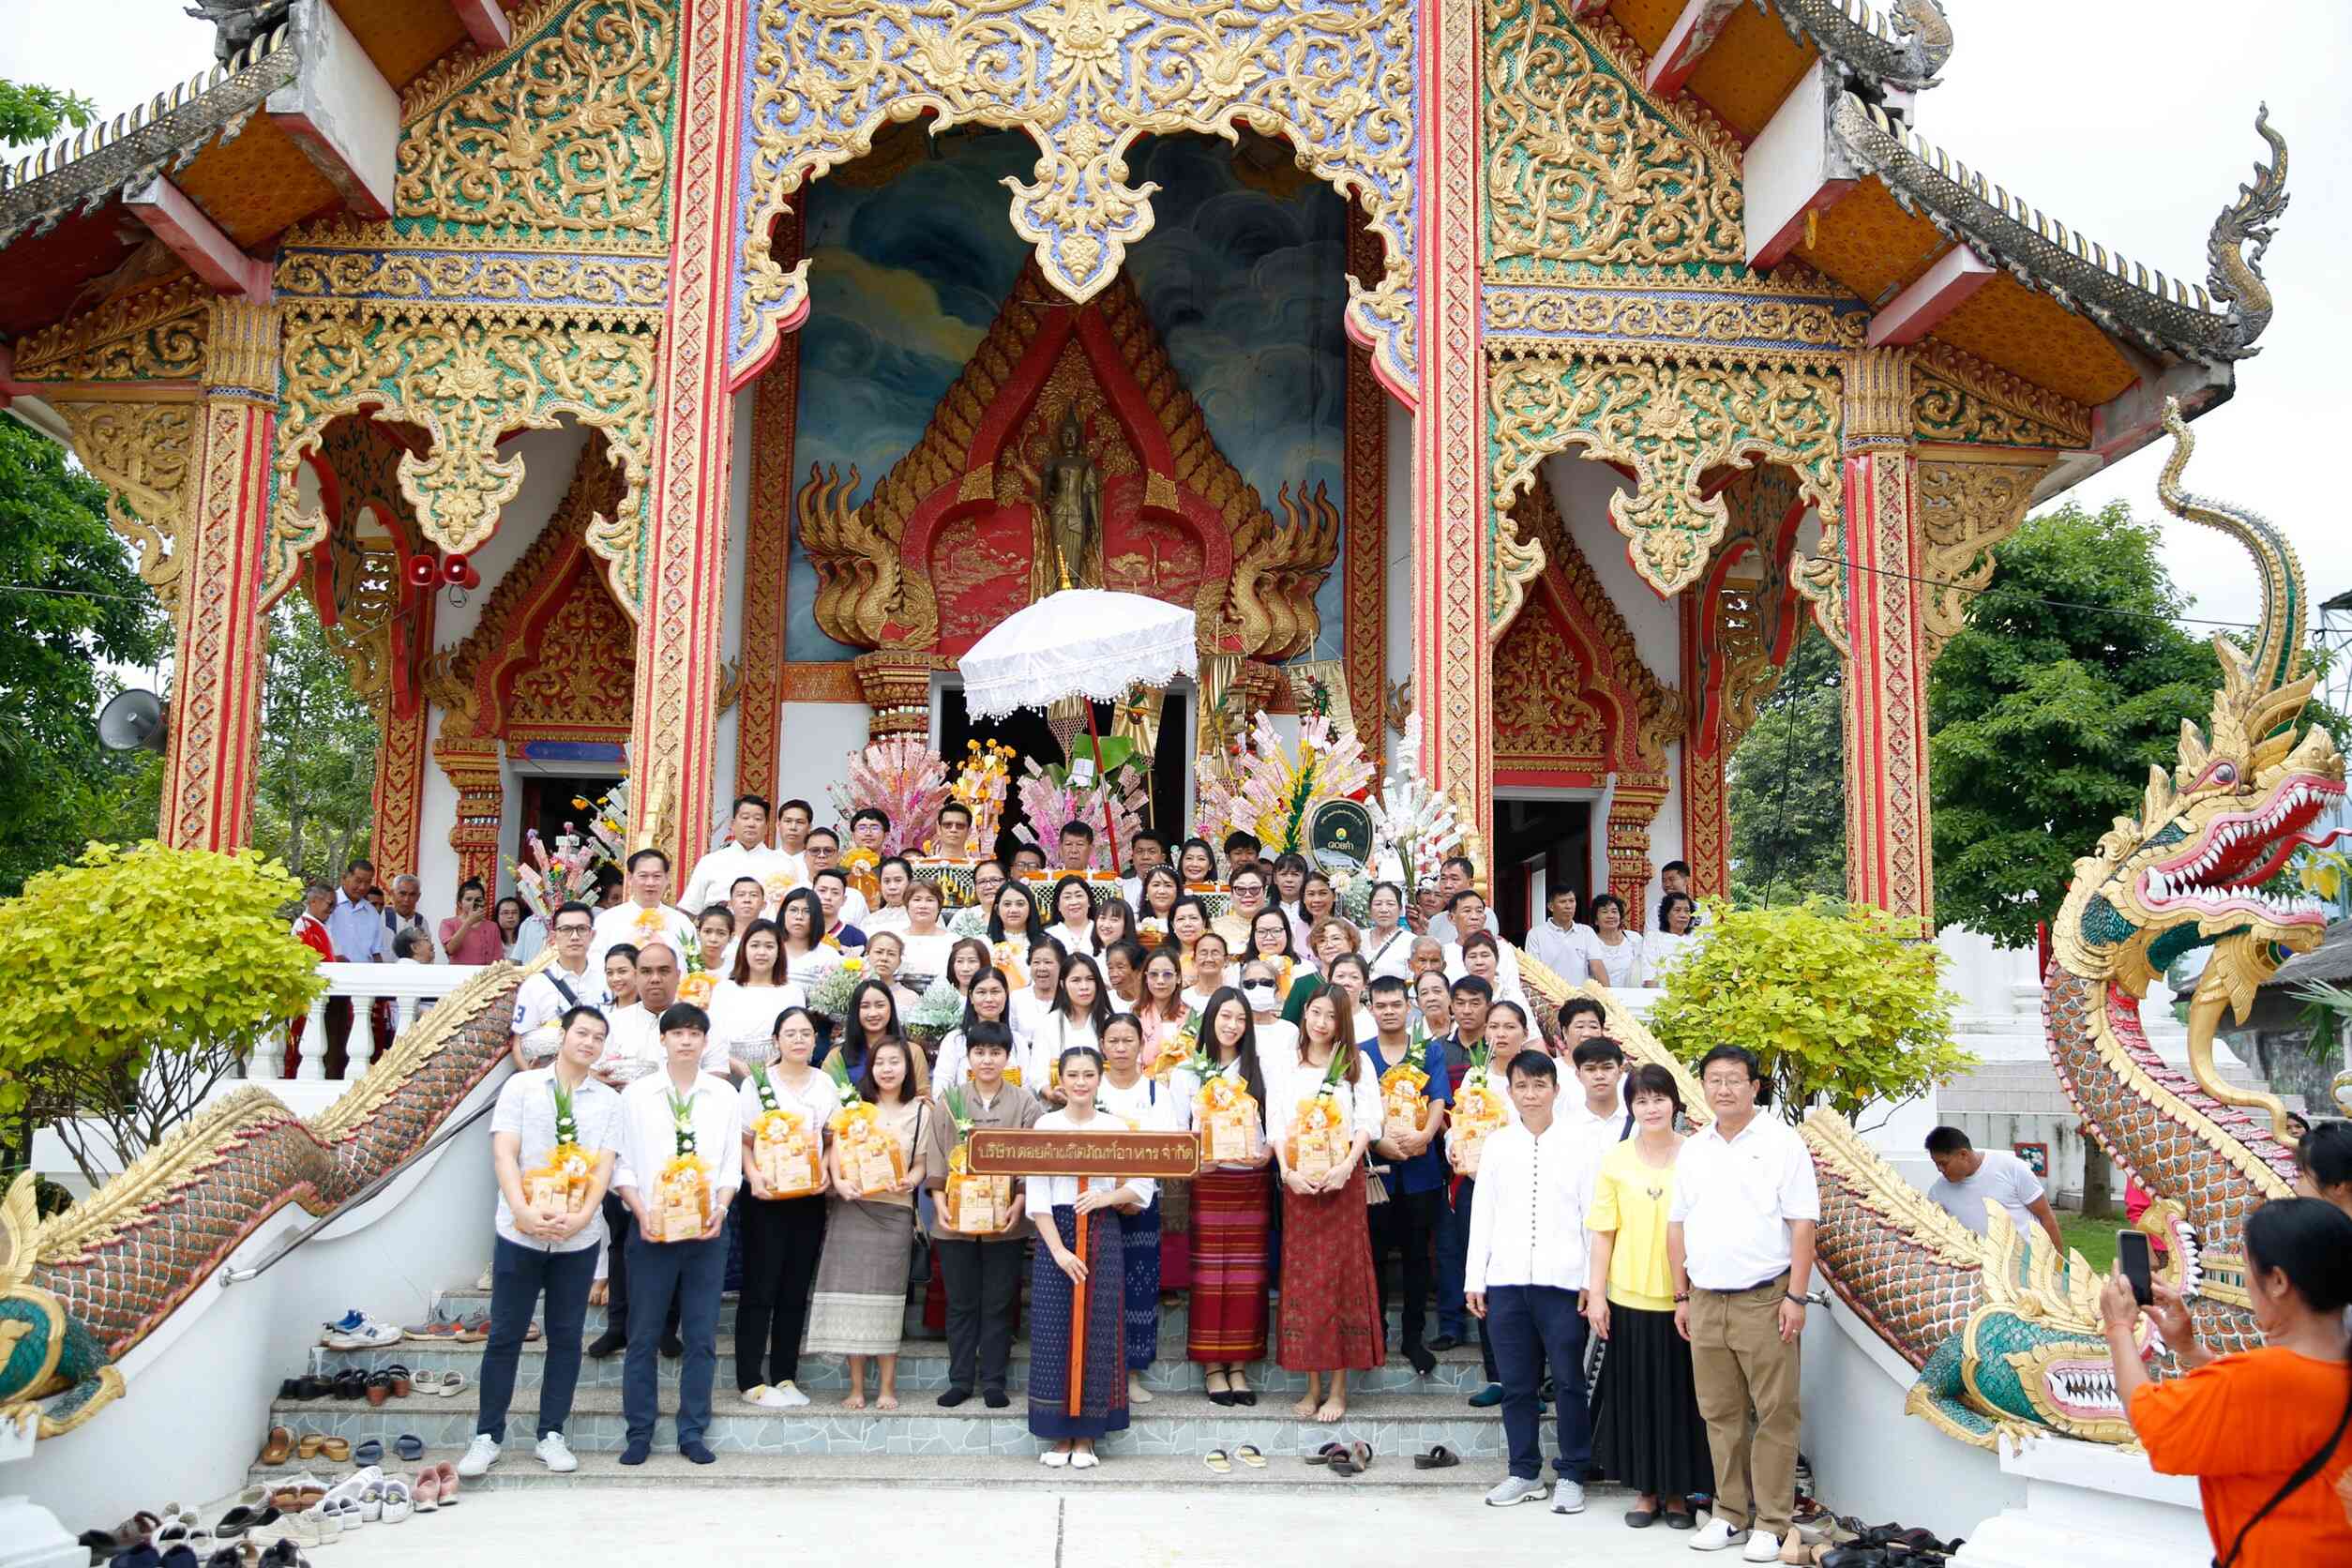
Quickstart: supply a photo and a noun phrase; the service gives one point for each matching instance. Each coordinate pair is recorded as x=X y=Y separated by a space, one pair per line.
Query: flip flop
x=1216 y=1461
x=276 y=1448
x=1440 y=1457
x=1355 y=1460
x=409 y=1446
x=1248 y=1454
x=1330 y=1453
x=369 y=1451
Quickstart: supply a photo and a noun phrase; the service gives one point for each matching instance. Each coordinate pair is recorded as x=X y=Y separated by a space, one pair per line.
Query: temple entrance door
x=1539 y=845
x=1026 y=733
x=547 y=805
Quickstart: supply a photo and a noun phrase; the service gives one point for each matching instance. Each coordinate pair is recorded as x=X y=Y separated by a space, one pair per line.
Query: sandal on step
x=402 y=1380
x=369 y=1451
x=1329 y=1453
x=1355 y=1460
x=1440 y=1457
x=1247 y=1454
x=1216 y=1461
x=409 y=1446
x=335 y=1448
x=279 y=1447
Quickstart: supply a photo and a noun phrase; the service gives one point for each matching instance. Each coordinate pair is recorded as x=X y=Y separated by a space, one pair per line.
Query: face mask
x=1260 y=994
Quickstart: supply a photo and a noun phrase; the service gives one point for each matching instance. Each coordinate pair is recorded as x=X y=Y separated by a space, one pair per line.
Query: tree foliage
x=32 y=113
x=138 y=979
x=316 y=772
x=1786 y=787
x=1833 y=998
x=2070 y=679
x=71 y=607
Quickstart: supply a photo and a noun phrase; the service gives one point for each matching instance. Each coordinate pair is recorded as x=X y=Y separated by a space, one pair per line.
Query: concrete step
x=1171 y=1425
x=518 y=1467
x=1175 y=1317
x=922 y=1367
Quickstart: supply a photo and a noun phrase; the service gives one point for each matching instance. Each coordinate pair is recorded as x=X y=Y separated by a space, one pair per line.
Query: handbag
x=1375 y=1188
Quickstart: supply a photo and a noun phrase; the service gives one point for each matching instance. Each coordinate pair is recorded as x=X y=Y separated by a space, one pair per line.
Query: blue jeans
x=1453 y=1222
x=518 y=1276
x=689 y=1273
x=1531 y=1324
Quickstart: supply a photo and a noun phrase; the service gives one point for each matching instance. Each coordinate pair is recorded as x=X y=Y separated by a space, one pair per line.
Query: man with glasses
x=568 y=982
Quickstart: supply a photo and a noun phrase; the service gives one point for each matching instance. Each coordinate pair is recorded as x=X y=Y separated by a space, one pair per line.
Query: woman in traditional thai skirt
x=1232 y=1210
x=1331 y=1303
x=1128 y=1094
x=860 y=1306
x=1077 y=1381
x=1646 y=1432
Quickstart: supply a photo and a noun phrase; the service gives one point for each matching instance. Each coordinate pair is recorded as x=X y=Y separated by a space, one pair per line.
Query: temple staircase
x=1397 y=1412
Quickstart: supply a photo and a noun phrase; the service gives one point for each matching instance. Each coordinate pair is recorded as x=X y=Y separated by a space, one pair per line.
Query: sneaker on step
x=480 y=1454
x=1486 y=1398
x=1718 y=1534
x=557 y=1454
x=1568 y=1498
x=345 y=1324
x=1763 y=1547
x=1516 y=1488
x=788 y=1396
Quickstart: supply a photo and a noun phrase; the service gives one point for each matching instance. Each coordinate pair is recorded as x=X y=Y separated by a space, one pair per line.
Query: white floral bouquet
x=830 y=996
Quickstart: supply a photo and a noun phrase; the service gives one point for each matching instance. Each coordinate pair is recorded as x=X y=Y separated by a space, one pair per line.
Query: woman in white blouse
x=1077 y=1388
x=892 y=880
x=988 y=1000
x=1673 y=941
x=1072 y=908
x=745 y=1005
x=1616 y=951
x=926 y=940
x=1080 y=1008
x=1276 y=1042
x=1331 y=1300
x=1207 y=969
x=800 y=920
x=1388 y=946
x=1148 y=1106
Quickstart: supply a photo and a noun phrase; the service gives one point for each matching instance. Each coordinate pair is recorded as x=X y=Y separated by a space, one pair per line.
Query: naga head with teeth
x=2190 y=870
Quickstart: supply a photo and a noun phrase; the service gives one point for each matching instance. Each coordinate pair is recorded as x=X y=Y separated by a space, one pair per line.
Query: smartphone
x=2131 y=1256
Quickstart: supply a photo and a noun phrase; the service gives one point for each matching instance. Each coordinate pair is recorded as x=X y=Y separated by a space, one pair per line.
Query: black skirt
x=1646 y=1432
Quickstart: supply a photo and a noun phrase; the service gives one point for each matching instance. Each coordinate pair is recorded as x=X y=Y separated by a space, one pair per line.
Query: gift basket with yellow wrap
x=785 y=1146
x=872 y=1164
x=1322 y=1134
x=1224 y=1111
x=1478 y=1108
x=1404 y=1097
x=560 y=1186
x=1177 y=1050
x=682 y=1192
x=971 y=1204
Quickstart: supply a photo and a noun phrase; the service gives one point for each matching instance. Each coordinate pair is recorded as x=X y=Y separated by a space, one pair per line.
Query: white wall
x=818 y=738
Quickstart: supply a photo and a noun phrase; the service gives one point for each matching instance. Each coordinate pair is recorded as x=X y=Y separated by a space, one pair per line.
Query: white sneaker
x=1717 y=1535
x=1567 y=1498
x=1763 y=1547
x=1516 y=1488
x=369 y=1334
x=789 y=1397
x=556 y=1454
x=480 y=1454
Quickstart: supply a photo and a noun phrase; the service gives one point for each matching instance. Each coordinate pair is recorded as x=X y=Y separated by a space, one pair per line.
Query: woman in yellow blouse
x=1646 y=1432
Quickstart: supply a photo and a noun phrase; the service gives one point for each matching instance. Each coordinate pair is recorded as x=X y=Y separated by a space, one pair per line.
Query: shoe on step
x=1763 y=1547
x=1568 y=1498
x=557 y=1454
x=789 y=1397
x=1716 y=1535
x=1486 y=1398
x=608 y=1343
x=1515 y=1489
x=636 y=1453
x=697 y=1451
x=480 y=1454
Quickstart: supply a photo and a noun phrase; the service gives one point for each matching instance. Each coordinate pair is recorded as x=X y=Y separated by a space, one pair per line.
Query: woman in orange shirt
x=2263 y=1431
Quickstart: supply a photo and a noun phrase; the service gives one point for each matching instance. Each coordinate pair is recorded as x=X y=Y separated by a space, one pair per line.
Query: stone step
x=1173 y=1424
x=518 y=1468
x=1175 y=1317
x=922 y=1367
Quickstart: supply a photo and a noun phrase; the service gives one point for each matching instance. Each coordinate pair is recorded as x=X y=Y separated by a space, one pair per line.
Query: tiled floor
x=648 y=1528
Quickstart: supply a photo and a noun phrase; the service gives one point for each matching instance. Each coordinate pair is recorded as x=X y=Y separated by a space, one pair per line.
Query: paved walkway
x=643 y=1528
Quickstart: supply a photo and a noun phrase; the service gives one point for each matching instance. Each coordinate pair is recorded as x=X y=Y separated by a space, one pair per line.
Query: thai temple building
x=619 y=379
x=677 y=390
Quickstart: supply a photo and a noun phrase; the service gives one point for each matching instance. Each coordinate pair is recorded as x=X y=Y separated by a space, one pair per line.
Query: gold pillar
x=217 y=620
x=1890 y=858
x=896 y=683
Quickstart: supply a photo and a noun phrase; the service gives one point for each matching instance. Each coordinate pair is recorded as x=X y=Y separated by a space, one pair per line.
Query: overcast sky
x=2130 y=123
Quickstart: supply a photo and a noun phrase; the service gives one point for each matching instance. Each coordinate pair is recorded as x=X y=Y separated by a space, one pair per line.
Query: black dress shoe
x=954 y=1397
x=636 y=1453
x=995 y=1398
x=1444 y=1343
x=1423 y=1363
x=699 y=1452
x=672 y=1347
x=609 y=1342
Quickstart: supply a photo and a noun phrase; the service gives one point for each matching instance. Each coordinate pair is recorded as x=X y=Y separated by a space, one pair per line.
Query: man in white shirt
x=548 y=1250
x=679 y=1109
x=745 y=853
x=568 y=981
x=641 y=915
x=1149 y=849
x=1466 y=913
x=1740 y=1243
x=1969 y=1179
x=1560 y=942
x=824 y=855
x=1599 y=1064
x=1523 y=1274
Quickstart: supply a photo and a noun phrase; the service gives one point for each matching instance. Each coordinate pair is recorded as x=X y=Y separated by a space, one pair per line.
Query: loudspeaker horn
x=132 y=721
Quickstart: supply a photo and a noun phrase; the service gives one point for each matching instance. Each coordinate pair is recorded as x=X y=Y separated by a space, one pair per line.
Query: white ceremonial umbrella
x=1084 y=642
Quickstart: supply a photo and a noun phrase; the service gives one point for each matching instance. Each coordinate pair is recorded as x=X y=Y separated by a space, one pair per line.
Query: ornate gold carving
x=469 y=380
x=1085 y=77
x=563 y=136
x=1634 y=802
x=1674 y=425
x=1363 y=630
x=766 y=558
x=1542 y=715
x=1688 y=320
x=582 y=668
x=897 y=685
x=1584 y=168
x=241 y=349
x=141 y=453
x=1967 y=503
x=208 y=765
x=1957 y=397
x=862 y=583
x=591 y=284
x=154 y=334
x=1876 y=398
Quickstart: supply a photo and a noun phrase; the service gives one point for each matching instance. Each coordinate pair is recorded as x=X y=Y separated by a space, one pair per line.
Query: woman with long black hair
x=1233 y=1211
x=2268 y=1433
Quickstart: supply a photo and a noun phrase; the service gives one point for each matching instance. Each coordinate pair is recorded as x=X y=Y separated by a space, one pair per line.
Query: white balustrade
x=409 y=989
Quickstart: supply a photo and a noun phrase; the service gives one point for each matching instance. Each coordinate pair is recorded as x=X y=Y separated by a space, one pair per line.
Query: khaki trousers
x=1739 y=1363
